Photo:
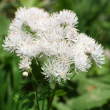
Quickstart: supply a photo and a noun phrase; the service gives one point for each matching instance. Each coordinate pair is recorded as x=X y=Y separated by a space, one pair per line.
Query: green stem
x=36 y=103
x=51 y=98
x=43 y=104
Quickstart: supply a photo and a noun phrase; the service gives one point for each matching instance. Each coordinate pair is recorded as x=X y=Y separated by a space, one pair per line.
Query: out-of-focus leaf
x=90 y=100
x=87 y=101
x=34 y=3
x=60 y=93
x=89 y=84
x=59 y=105
x=27 y=3
x=4 y=23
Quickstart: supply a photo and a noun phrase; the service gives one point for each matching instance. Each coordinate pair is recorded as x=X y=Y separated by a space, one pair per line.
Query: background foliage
x=85 y=91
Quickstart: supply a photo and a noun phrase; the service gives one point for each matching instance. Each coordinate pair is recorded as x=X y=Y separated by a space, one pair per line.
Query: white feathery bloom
x=25 y=63
x=91 y=48
x=34 y=33
x=65 y=18
x=11 y=41
x=71 y=33
x=23 y=43
x=54 y=68
x=62 y=48
x=46 y=47
x=81 y=60
x=56 y=48
x=53 y=34
x=98 y=55
x=23 y=46
x=28 y=47
x=33 y=17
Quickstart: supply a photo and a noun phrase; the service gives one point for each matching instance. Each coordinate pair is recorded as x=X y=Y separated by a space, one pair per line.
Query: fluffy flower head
x=34 y=33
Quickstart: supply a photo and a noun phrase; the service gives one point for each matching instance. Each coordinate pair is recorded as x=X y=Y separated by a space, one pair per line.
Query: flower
x=65 y=18
x=33 y=17
x=55 y=68
x=34 y=33
x=91 y=48
x=25 y=63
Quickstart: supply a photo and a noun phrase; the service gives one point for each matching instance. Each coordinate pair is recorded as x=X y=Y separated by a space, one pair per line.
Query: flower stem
x=43 y=104
x=51 y=98
x=36 y=103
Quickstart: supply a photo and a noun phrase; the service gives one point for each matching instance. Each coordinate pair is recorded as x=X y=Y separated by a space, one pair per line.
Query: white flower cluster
x=34 y=33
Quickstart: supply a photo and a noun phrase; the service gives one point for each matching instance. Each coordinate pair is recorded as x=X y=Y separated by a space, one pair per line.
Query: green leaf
x=87 y=101
x=59 y=105
x=60 y=93
x=90 y=100
x=4 y=24
x=28 y=3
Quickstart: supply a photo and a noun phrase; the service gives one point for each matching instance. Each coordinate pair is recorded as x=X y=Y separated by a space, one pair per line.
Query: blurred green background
x=86 y=91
